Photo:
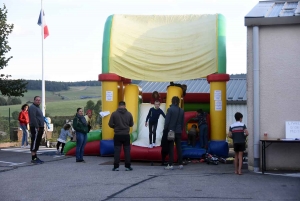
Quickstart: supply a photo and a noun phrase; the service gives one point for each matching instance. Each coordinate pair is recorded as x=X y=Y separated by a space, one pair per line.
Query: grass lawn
x=55 y=105
x=59 y=108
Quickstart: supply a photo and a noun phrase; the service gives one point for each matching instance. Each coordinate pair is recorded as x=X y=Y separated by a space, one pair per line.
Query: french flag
x=42 y=22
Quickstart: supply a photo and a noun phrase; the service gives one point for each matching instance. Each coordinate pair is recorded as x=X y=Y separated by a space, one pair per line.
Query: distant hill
x=58 y=86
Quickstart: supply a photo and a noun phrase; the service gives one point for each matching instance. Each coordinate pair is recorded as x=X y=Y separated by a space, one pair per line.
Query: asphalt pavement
x=61 y=178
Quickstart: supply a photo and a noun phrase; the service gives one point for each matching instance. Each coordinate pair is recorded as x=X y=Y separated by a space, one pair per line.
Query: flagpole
x=43 y=78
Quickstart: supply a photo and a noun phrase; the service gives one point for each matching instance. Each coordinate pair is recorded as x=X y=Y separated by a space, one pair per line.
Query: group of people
x=121 y=120
x=31 y=118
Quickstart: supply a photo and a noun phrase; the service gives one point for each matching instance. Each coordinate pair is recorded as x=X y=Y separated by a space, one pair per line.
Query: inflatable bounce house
x=161 y=49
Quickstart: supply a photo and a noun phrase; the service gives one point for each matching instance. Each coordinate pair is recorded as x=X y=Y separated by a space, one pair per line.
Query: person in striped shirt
x=238 y=132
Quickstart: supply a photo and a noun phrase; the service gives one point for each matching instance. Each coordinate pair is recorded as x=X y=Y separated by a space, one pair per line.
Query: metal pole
x=9 y=123
x=256 y=103
x=43 y=78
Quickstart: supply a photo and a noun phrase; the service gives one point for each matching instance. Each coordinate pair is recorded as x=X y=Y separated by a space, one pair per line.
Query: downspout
x=256 y=97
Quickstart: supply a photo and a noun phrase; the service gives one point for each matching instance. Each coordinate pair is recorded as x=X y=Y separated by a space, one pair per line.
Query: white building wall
x=279 y=90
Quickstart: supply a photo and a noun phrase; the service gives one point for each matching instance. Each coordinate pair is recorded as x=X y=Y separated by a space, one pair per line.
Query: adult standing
x=81 y=127
x=175 y=121
x=36 y=124
x=24 y=121
x=121 y=120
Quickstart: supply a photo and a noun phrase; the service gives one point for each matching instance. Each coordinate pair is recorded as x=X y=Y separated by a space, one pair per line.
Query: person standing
x=81 y=127
x=175 y=122
x=24 y=121
x=36 y=124
x=88 y=118
x=121 y=120
x=238 y=132
x=153 y=116
x=203 y=128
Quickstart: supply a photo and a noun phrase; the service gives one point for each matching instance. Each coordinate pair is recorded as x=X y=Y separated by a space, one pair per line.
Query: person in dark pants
x=164 y=147
x=121 y=120
x=36 y=124
x=80 y=125
x=238 y=132
x=203 y=128
x=174 y=121
x=153 y=116
x=64 y=133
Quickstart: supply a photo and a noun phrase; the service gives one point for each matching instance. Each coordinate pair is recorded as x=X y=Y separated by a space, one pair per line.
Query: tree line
x=58 y=86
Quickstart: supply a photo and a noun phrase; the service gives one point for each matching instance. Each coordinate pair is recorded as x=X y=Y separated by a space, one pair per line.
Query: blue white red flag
x=42 y=23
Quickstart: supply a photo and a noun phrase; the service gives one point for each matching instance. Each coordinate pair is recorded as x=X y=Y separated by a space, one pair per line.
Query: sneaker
x=80 y=161
x=151 y=146
x=22 y=146
x=180 y=167
x=37 y=161
x=40 y=160
x=115 y=169
x=57 y=152
x=128 y=169
x=169 y=167
x=28 y=146
x=154 y=145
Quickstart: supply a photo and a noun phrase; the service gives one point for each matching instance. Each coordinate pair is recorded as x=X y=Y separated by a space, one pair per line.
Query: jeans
x=24 y=138
x=152 y=130
x=203 y=135
x=178 y=148
x=80 y=144
x=120 y=140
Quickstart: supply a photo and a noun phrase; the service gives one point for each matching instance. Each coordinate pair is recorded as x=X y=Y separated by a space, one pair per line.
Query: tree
x=13 y=101
x=15 y=115
x=89 y=105
x=8 y=87
x=3 y=101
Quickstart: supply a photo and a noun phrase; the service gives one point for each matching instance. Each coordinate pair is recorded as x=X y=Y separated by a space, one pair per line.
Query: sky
x=73 y=50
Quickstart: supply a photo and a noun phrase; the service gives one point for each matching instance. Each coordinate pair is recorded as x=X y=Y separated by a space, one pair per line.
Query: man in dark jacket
x=121 y=121
x=36 y=123
x=174 y=121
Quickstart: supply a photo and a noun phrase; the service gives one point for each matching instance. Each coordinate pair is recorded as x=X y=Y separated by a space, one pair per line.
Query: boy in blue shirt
x=153 y=116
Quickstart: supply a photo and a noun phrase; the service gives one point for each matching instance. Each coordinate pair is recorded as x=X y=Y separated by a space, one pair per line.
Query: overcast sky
x=73 y=50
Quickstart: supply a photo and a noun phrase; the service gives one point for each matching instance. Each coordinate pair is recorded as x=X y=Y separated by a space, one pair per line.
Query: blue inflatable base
x=107 y=147
x=218 y=148
x=192 y=152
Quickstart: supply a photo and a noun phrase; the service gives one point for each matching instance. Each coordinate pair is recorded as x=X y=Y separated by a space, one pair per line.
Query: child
x=192 y=133
x=238 y=132
x=155 y=97
x=203 y=128
x=153 y=116
x=64 y=133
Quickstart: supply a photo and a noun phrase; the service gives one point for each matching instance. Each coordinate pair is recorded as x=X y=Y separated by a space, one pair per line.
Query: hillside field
x=55 y=105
